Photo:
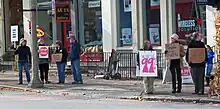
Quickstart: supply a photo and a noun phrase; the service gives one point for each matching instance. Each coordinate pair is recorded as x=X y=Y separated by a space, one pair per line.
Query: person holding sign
x=196 y=56
x=24 y=57
x=147 y=81
x=60 y=57
x=176 y=64
x=43 y=61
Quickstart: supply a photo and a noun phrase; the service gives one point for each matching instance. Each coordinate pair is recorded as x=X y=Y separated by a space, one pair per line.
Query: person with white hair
x=197 y=69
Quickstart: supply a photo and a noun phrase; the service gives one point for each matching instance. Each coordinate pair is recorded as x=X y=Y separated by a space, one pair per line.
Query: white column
x=2 y=35
x=210 y=25
x=168 y=20
x=138 y=23
x=110 y=24
x=26 y=20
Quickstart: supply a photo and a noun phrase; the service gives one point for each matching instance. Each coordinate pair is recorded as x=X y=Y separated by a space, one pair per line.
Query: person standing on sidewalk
x=24 y=57
x=75 y=60
x=209 y=64
x=147 y=81
x=61 y=65
x=176 y=65
x=43 y=65
x=198 y=69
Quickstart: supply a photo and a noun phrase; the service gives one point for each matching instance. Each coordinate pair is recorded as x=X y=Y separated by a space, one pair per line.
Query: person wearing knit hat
x=147 y=81
x=62 y=64
x=176 y=65
x=75 y=50
x=198 y=69
x=24 y=57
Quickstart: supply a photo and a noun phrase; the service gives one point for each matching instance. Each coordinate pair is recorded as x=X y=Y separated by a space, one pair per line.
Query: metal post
x=35 y=81
x=54 y=23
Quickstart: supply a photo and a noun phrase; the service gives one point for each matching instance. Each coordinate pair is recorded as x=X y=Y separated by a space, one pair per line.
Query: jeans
x=20 y=69
x=44 y=68
x=75 y=68
x=209 y=68
x=61 y=71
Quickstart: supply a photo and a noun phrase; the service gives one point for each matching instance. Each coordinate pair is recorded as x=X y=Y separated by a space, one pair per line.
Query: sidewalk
x=115 y=89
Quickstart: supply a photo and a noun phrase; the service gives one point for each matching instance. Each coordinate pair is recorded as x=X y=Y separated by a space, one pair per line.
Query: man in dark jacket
x=75 y=60
x=197 y=69
x=24 y=56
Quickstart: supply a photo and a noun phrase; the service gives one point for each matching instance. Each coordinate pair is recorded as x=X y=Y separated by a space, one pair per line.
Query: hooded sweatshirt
x=23 y=52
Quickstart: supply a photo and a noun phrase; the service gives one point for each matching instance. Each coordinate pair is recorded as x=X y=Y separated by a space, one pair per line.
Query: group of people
x=175 y=65
x=24 y=60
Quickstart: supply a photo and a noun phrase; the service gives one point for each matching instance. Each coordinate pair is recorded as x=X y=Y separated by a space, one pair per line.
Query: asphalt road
x=17 y=100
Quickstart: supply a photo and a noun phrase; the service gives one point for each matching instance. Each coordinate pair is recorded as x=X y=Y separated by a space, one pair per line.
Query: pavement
x=106 y=89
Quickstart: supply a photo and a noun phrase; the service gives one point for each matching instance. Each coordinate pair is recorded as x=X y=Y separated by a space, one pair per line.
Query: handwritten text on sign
x=173 y=51
x=148 y=63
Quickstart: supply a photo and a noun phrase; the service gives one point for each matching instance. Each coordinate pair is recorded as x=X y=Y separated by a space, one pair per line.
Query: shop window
x=125 y=37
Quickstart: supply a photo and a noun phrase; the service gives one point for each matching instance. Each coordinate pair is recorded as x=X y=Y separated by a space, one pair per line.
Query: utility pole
x=35 y=81
x=54 y=23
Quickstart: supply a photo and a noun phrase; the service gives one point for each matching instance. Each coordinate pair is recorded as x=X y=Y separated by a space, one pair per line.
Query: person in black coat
x=62 y=64
x=198 y=69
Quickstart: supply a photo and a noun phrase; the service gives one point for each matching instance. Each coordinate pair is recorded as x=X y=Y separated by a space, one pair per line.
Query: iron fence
x=126 y=65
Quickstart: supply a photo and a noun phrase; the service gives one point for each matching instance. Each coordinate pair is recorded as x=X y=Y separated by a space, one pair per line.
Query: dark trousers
x=198 y=74
x=44 y=68
x=176 y=72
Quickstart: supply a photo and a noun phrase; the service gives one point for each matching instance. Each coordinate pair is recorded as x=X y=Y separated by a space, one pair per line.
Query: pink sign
x=148 y=63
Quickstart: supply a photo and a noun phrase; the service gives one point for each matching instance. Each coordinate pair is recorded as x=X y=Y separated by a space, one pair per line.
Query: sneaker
x=80 y=82
x=74 y=82
x=178 y=91
x=20 y=83
x=174 y=91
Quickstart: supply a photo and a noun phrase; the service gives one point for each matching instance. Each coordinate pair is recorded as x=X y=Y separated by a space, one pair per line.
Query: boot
x=207 y=81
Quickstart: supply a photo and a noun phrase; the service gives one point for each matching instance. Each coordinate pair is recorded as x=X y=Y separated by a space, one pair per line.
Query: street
x=26 y=100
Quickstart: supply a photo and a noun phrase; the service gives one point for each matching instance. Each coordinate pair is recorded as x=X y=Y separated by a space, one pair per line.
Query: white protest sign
x=43 y=52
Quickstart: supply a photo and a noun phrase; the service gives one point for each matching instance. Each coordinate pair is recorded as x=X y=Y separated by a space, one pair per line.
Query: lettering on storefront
x=62 y=12
x=188 y=25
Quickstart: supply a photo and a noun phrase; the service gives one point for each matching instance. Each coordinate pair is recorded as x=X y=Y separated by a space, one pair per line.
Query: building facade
x=103 y=25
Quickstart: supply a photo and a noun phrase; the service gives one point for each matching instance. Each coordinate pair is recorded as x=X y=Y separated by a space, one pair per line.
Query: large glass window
x=125 y=37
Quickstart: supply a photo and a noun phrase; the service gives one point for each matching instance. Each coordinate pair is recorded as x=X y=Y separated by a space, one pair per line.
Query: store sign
x=202 y=2
x=62 y=12
x=189 y=25
x=14 y=33
x=94 y=4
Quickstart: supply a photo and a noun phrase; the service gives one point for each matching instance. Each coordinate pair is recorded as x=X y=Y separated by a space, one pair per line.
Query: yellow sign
x=40 y=32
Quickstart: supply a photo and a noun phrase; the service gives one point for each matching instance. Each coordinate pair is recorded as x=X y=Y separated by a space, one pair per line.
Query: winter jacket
x=211 y=55
x=196 y=44
x=64 y=54
x=24 y=54
x=75 y=51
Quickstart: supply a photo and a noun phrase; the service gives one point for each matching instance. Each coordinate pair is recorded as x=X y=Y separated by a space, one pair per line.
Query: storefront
x=127 y=23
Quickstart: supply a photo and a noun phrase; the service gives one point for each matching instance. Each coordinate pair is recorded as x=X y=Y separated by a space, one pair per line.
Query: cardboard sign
x=197 y=55
x=173 y=51
x=43 y=52
x=57 y=57
x=148 y=63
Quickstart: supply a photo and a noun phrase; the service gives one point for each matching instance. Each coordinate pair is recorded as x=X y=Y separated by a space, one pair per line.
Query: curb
x=26 y=89
x=174 y=99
